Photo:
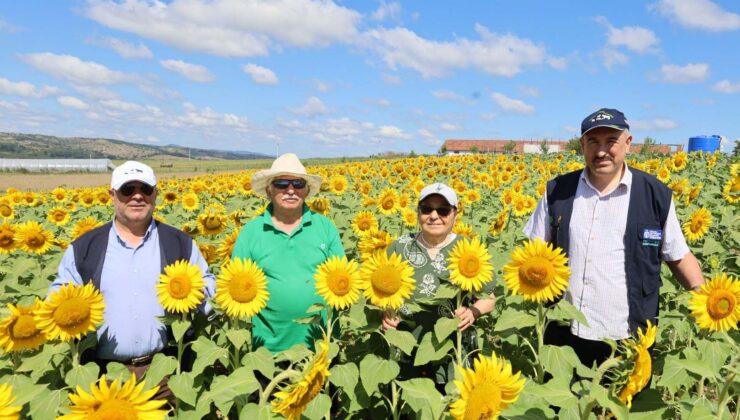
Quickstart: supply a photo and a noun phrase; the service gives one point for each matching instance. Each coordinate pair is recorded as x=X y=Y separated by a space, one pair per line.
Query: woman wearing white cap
x=427 y=251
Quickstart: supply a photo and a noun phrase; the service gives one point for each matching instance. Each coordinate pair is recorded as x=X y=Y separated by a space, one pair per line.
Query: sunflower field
x=503 y=370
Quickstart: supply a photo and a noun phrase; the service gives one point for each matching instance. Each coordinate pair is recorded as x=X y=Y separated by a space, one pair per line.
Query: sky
x=354 y=78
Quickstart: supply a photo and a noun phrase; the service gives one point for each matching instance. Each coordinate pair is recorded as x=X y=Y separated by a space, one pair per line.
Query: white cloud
x=313 y=107
x=123 y=48
x=74 y=70
x=611 y=58
x=229 y=28
x=726 y=86
x=124 y=106
x=385 y=11
x=530 y=91
x=698 y=14
x=383 y=103
x=513 y=106
x=499 y=55
x=95 y=92
x=657 y=124
x=7 y=27
x=558 y=63
x=260 y=75
x=391 y=79
x=634 y=38
x=450 y=127
x=25 y=89
x=447 y=95
x=194 y=72
x=690 y=73
x=321 y=86
x=72 y=102
x=392 y=132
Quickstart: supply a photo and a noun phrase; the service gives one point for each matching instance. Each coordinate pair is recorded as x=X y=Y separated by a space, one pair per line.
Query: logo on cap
x=601 y=116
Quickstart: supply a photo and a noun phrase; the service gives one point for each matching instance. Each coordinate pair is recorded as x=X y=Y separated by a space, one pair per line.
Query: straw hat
x=287 y=164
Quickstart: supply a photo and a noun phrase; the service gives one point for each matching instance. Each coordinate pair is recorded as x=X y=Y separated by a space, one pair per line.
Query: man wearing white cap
x=124 y=259
x=287 y=242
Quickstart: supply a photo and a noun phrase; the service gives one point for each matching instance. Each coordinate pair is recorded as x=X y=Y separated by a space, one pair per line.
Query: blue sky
x=323 y=78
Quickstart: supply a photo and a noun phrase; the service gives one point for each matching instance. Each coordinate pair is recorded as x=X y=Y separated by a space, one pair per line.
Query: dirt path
x=43 y=182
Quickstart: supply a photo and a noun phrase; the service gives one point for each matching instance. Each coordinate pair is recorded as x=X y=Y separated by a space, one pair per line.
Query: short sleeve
x=674 y=245
x=537 y=226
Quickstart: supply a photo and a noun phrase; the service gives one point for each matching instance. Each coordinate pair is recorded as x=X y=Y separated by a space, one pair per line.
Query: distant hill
x=30 y=146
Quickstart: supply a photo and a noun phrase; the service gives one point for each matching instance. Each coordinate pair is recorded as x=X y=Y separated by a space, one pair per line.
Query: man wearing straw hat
x=288 y=241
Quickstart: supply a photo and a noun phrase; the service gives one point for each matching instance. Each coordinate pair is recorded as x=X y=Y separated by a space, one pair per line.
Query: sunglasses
x=283 y=184
x=128 y=189
x=442 y=211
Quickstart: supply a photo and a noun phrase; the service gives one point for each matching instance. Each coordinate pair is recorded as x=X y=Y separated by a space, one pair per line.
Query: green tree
x=543 y=147
x=510 y=146
x=474 y=150
x=442 y=150
x=736 y=150
x=574 y=144
x=647 y=145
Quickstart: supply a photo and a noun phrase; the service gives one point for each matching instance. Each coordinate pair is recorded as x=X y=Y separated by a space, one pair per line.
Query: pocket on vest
x=647 y=257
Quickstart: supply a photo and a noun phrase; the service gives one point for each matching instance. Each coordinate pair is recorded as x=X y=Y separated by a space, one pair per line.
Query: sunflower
x=338 y=184
x=679 y=161
x=115 y=401
x=663 y=174
x=85 y=225
x=226 y=247
x=372 y=242
x=32 y=237
x=364 y=222
x=487 y=389
x=716 y=306
x=337 y=281
x=59 y=195
x=7 y=238
x=472 y=196
x=190 y=201
x=70 y=312
x=170 y=196
x=86 y=198
x=211 y=222
x=58 y=215
x=499 y=223
x=209 y=252
x=731 y=190
x=320 y=205
x=463 y=229
x=698 y=225
x=7 y=411
x=643 y=364
x=103 y=196
x=523 y=204
x=387 y=202
x=409 y=217
x=180 y=287
x=241 y=289
x=470 y=266
x=537 y=271
x=293 y=399
x=18 y=331
x=30 y=199
x=6 y=209
x=387 y=280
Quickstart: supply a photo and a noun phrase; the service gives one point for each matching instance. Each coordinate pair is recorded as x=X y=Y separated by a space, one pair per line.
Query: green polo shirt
x=289 y=263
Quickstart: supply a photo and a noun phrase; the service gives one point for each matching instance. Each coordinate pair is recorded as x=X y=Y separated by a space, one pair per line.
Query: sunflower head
x=640 y=361
x=70 y=312
x=487 y=389
x=698 y=225
x=7 y=238
x=85 y=225
x=241 y=289
x=470 y=266
x=373 y=241
x=364 y=222
x=180 y=287
x=292 y=399
x=8 y=411
x=387 y=280
x=537 y=271
x=716 y=306
x=19 y=331
x=115 y=400
x=33 y=238
x=338 y=282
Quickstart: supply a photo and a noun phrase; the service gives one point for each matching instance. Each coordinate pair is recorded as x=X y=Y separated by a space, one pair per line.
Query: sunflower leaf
x=316 y=307
x=345 y=376
x=699 y=367
x=238 y=337
x=375 y=371
x=312 y=319
x=556 y=392
x=430 y=349
x=512 y=318
x=253 y=411
x=318 y=408
x=161 y=366
x=444 y=327
x=421 y=395
x=46 y=408
x=82 y=376
x=208 y=352
x=182 y=386
x=261 y=360
x=179 y=327
x=674 y=375
x=404 y=340
x=226 y=389
x=566 y=311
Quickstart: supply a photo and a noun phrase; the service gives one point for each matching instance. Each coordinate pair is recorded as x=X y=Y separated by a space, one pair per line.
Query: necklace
x=425 y=244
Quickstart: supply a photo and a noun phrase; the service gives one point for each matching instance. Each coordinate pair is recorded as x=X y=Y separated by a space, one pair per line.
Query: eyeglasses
x=128 y=189
x=443 y=211
x=283 y=184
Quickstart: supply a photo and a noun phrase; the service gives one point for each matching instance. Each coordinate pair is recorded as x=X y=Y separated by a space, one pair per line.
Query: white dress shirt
x=598 y=281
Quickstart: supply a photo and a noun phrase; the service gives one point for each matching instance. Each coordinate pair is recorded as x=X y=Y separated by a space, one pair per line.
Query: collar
x=306 y=217
x=149 y=231
x=626 y=179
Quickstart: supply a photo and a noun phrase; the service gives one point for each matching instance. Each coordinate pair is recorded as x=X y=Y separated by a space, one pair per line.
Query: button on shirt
x=128 y=285
x=598 y=280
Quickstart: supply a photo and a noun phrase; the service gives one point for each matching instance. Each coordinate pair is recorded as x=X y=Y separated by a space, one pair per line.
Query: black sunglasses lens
x=284 y=183
x=442 y=211
x=425 y=210
x=129 y=189
x=126 y=190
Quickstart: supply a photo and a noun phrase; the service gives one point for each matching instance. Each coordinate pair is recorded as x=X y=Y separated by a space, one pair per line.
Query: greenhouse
x=56 y=165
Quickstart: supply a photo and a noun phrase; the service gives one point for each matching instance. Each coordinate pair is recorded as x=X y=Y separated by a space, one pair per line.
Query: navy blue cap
x=605 y=117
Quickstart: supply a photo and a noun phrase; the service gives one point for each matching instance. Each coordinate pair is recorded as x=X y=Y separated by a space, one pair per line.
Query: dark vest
x=89 y=250
x=648 y=209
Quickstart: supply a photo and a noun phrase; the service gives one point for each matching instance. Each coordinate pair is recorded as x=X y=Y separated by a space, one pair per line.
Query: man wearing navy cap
x=616 y=224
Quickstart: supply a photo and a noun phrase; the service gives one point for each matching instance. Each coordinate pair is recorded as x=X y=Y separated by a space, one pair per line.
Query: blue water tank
x=708 y=144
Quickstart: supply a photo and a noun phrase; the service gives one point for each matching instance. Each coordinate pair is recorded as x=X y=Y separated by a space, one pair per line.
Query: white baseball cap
x=132 y=171
x=440 y=189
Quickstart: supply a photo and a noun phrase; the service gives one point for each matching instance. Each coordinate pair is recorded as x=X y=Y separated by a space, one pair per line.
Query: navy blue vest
x=89 y=250
x=649 y=203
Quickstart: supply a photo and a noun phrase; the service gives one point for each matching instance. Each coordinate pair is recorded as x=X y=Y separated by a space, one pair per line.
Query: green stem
x=16 y=358
x=75 y=350
x=458 y=347
x=180 y=348
x=540 y=330
x=265 y=394
x=235 y=353
x=608 y=364
x=394 y=400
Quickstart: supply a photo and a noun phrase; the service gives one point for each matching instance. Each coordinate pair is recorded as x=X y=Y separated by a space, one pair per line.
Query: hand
x=467 y=317
x=390 y=323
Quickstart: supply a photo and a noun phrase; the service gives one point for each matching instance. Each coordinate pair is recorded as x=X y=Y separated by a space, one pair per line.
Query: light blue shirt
x=128 y=284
